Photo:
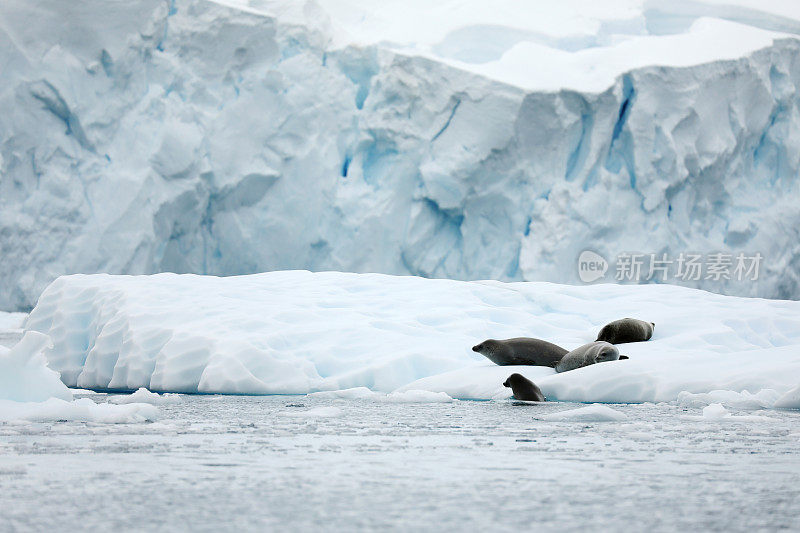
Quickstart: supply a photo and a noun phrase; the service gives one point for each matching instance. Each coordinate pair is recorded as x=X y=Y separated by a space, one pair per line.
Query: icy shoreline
x=295 y=332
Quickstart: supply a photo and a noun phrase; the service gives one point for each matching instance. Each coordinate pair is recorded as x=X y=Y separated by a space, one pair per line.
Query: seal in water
x=521 y=351
x=524 y=389
x=626 y=330
x=588 y=354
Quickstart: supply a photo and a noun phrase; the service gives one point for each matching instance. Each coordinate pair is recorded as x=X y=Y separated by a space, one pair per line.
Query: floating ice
x=790 y=400
x=417 y=396
x=24 y=375
x=30 y=391
x=741 y=400
x=295 y=332
x=355 y=393
x=142 y=395
x=718 y=412
x=715 y=411
x=81 y=410
x=590 y=413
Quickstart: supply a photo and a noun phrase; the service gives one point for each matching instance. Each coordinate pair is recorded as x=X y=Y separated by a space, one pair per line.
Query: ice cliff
x=460 y=140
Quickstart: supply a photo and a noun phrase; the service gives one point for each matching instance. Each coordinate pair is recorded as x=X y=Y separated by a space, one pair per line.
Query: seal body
x=521 y=351
x=588 y=354
x=524 y=389
x=626 y=330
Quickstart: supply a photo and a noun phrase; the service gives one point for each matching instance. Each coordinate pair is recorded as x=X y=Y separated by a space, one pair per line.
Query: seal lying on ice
x=521 y=351
x=588 y=354
x=524 y=389
x=626 y=330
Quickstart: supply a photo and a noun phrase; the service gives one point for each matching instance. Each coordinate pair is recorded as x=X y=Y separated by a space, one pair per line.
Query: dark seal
x=626 y=330
x=524 y=389
x=521 y=351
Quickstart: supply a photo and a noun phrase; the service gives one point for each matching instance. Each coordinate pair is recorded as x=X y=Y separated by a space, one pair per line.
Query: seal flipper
x=621 y=357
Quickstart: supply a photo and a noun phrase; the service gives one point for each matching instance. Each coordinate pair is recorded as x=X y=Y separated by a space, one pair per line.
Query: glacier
x=405 y=338
x=234 y=137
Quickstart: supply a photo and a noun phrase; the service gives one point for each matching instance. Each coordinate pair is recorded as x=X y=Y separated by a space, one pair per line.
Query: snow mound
x=763 y=399
x=142 y=395
x=81 y=410
x=790 y=400
x=590 y=413
x=295 y=332
x=463 y=140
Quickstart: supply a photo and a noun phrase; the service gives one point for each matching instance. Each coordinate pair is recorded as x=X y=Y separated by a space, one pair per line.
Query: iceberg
x=408 y=338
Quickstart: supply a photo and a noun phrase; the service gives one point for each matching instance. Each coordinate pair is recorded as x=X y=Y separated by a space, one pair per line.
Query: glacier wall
x=199 y=136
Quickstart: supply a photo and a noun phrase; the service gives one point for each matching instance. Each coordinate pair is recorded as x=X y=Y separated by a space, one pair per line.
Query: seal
x=588 y=354
x=626 y=330
x=524 y=389
x=521 y=351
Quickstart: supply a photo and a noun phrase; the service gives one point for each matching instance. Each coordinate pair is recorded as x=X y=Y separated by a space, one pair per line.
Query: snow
x=590 y=413
x=142 y=395
x=297 y=332
x=465 y=139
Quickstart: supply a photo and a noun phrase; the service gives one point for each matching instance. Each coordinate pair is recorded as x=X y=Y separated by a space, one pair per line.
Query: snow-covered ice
x=295 y=332
x=458 y=139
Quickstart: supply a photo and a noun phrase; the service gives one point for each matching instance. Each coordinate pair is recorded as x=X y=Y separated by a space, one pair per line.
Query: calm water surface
x=224 y=462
